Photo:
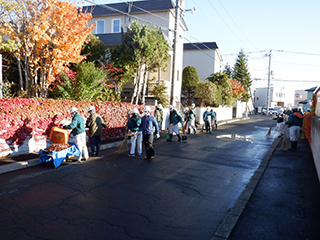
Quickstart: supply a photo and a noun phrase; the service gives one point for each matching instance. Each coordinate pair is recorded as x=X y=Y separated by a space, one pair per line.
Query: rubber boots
x=170 y=138
x=293 y=146
x=179 y=137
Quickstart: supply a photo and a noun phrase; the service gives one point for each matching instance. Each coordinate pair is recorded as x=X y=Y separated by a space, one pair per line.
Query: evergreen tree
x=242 y=74
x=228 y=70
x=190 y=79
x=87 y=83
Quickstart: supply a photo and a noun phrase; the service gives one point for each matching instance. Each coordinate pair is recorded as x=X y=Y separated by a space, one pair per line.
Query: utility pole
x=174 y=51
x=269 y=77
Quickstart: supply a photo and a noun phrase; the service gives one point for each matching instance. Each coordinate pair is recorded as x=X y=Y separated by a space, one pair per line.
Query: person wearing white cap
x=135 y=127
x=149 y=125
x=295 y=123
x=280 y=122
x=207 y=118
x=191 y=119
x=158 y=114
x=174 y=119
x=95 y=123
x=79 y=132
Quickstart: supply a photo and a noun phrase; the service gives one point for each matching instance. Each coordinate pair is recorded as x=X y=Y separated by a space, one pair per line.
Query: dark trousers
x=148 y=142
x=95 y=144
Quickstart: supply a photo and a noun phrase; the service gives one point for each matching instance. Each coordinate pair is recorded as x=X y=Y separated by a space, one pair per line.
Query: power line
x=237 y=26
x=127 y=14
x=227 y=24
x=210 y=21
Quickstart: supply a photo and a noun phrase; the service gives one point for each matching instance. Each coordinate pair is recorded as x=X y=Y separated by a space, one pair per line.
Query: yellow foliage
x=54 y=34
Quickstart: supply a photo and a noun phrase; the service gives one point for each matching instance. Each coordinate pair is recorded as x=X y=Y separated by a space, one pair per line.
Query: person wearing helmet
x=149 y=126
x=280 y=122
x=207 y=118
x=79 y=132
x=135 y=127
x=191 y=119
x=174 y=119
x=295 y=123
x=159 y=115
x=95 y=123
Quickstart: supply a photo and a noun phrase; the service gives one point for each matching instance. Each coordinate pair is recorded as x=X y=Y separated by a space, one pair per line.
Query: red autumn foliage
x=237 y=89
x=25 y=118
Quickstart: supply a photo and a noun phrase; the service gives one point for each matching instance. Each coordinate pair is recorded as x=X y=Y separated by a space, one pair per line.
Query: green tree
x=242 y=74
x=228 y=70
x=206 y=93
x=95 y=50
x=141 y=50
x=190 y=79
x=87 y=83
x=225 y=87
x=160 y=92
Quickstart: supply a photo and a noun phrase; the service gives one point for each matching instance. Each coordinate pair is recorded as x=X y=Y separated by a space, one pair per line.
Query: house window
x=116 y=25
x=257 y=98
x=100 y=27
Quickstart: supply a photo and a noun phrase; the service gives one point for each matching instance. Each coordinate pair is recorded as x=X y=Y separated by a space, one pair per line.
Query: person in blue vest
x=208 y=116
x=79 y=132
x=295 y=123
x=149 y=126
x=174 y=120
x=135 y=128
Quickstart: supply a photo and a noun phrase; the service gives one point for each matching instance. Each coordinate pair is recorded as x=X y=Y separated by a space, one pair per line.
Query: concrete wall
x=315 y=143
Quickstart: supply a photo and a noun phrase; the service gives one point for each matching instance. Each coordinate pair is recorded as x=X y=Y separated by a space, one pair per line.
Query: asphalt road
x=184 y=193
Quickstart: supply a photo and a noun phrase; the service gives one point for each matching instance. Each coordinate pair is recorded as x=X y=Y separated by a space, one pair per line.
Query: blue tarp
x=59 y=156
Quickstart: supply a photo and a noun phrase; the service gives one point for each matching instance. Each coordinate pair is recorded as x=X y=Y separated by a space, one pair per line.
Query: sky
x=290 y=29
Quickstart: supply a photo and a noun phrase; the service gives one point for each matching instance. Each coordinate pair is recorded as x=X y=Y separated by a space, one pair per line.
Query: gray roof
x=202 y=46
x=110 y=39
x=311 y=89
x=138 y=6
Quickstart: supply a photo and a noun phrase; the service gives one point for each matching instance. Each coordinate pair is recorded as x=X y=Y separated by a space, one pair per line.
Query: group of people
x=94 y=123
x=141 y=128
x=293 y=119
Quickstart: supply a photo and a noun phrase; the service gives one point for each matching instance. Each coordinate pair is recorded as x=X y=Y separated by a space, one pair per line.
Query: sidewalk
x=285 y=203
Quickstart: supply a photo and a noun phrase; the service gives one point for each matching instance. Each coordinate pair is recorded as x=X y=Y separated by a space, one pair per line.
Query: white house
x=278 y=96
x=205 y=57
x=110 y=18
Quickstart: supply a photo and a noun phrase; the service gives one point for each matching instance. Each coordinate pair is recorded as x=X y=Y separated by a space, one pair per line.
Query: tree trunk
x=144 y=87
x=136 y=84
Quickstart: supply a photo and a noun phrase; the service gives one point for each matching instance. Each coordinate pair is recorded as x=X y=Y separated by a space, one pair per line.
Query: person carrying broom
x=149 y=124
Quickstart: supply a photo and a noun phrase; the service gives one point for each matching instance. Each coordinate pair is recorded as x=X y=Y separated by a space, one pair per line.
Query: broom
x=202 y=128
x=285 y=143
x=268 y=134
x=123 y=146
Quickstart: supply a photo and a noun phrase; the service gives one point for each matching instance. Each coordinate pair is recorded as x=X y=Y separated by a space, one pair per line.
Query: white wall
x=223 y=113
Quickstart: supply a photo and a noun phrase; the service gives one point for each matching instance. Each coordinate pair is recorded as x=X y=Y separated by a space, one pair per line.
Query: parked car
x=264 y=111
x=275 y=111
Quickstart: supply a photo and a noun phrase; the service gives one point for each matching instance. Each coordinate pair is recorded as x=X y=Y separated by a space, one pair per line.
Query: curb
x=230 y=220
x=35 y=161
